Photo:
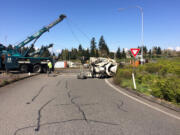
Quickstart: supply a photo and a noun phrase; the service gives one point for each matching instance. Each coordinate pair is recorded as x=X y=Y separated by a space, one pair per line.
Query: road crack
x=78 y=106
x=58 y=83
x=39 y=114
x=120 y=106
x=39 y=92
x=61 y=122
x=75 y=104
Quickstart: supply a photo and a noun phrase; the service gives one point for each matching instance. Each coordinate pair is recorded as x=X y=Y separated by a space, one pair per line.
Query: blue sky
x=21 y=18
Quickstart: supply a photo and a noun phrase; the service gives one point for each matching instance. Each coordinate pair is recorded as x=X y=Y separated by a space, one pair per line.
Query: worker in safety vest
x=49 y=67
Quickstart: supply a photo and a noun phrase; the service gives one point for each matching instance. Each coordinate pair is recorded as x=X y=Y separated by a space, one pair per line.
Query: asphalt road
x=64 y=105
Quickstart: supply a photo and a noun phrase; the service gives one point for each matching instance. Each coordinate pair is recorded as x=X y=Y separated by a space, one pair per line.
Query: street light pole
x=142 y=33
x=142 y=29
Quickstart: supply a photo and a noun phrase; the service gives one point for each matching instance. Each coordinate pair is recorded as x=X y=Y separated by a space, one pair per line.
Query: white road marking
x=153 y=107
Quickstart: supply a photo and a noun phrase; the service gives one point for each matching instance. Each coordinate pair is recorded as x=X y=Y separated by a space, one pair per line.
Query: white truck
x=100 y=68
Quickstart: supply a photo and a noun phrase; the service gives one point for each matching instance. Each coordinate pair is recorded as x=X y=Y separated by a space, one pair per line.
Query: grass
x=160 y=79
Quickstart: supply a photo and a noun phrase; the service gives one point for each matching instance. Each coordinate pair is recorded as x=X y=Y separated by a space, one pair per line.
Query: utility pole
x=142 y=28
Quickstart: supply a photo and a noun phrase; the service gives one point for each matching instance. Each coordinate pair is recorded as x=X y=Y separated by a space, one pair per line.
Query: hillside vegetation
x=160 y=79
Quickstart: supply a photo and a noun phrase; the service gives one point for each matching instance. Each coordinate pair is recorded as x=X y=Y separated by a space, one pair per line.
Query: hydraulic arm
x=39 y=33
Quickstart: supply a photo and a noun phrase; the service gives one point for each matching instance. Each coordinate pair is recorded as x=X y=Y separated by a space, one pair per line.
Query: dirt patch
x=6 y=78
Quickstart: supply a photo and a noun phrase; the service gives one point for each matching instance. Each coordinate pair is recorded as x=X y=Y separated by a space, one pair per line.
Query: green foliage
x=160 y=79
x=103 y=48
x=123 y=54
x=167 y=88
x=118 y=53
x=93 y=47
x=122 y=73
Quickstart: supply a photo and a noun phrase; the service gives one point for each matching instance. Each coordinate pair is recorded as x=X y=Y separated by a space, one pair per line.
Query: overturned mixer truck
x=99 y=68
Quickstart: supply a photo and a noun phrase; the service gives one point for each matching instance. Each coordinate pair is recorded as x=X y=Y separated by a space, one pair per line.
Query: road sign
x=135 y=51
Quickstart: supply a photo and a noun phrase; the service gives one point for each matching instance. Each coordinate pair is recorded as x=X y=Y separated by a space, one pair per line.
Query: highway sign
x=135 y=51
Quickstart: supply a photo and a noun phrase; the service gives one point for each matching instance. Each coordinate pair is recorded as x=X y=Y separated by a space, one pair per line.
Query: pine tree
x=80 y=51
x=123 y=54
x=154 y=51
x=150 y=53
x=65 y=54
x=97 y=53
x=103 y=48
x=87 y=54
x=118 y=53
x=93 y=48
x=158 y=50
x=59 y=56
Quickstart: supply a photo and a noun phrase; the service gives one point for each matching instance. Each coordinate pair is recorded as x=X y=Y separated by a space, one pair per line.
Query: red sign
x=135 y=51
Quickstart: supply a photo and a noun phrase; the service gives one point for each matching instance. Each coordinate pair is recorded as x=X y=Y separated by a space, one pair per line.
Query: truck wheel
x=37 y=68
x=24 y=68
x=44 y=69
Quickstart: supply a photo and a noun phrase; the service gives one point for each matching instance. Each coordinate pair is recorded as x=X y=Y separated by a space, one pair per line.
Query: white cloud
x=112 y=51
x=170 y=48
x=58 y=50
x=178 y=48
x=126 y=49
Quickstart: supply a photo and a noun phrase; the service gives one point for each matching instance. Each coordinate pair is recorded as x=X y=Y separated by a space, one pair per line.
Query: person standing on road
x=49 y=67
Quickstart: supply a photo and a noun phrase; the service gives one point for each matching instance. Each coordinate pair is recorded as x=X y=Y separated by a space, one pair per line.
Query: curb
x=150 y=98
x=18 y=79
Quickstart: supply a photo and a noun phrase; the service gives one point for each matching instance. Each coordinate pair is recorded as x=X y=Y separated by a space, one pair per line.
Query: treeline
x=101 y=49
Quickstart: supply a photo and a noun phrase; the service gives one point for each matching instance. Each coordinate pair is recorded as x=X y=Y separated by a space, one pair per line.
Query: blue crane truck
x=13 y=59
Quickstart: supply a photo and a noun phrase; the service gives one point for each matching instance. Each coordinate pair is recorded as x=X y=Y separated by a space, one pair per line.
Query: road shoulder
x=144 y=101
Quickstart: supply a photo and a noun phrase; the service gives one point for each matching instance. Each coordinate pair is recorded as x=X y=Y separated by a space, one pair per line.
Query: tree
x=93 y=48
x=65 y=54
x=154 y=51
x=150 y=53
x=80 y=51
x=118 y=53
x=73 y=54
x=158 y=51
x=112 y=55
x=123 y=54
x=103 y=48
x=97 y=53
x=144 y=50
x=87 y=54
x=10 y=47
x=59 y=56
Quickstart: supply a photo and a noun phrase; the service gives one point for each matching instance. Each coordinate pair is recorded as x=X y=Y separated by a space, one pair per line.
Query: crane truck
x=14 y=60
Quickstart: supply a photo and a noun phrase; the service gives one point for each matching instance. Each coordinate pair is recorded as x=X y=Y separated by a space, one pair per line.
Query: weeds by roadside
x=160 y=79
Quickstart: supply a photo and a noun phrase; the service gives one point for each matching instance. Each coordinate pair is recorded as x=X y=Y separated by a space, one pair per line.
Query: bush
x=122 y=74
x=161 y=79
x=168 y=89
x=152 y=68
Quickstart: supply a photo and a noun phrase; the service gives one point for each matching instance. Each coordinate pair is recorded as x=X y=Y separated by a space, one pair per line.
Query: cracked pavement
x=64 y=105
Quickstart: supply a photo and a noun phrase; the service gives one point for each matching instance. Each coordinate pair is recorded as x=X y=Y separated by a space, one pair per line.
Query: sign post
x=134 y=52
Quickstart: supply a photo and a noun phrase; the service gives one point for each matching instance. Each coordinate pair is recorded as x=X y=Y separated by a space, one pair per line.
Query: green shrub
x=122 y=74
x=153 y=68
x=168 y=89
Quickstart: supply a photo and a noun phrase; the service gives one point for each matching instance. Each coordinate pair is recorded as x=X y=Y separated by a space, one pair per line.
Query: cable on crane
x=70 y=27
x=80 y=30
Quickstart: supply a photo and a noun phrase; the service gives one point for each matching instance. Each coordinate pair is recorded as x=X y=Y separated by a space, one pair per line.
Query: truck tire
x=24 y=68
x=37 y=68
x=45 y=69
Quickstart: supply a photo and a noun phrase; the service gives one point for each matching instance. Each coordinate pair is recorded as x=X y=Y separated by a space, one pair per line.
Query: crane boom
x=40 y=32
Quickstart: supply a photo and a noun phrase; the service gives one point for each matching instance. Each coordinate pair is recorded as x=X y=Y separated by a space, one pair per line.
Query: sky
x=92 y=18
